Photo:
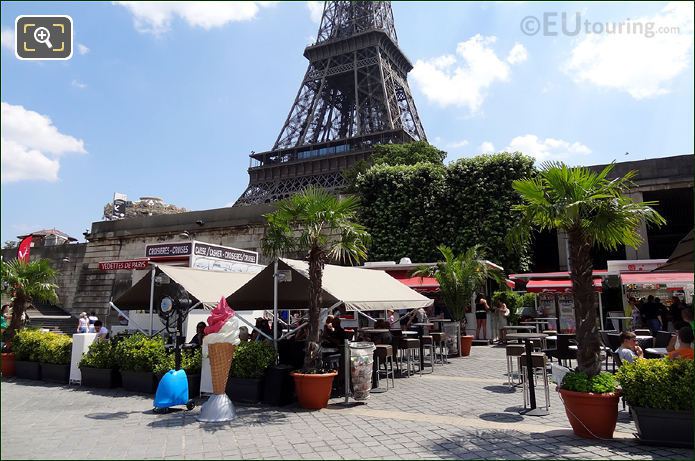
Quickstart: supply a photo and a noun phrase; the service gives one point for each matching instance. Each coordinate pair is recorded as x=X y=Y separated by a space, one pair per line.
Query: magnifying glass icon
x=42 y=35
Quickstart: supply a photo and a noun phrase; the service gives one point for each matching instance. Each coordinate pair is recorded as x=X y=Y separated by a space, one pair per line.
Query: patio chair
x=539 y=362
x=662 y=338
x=562 y=351
x=384 y=356
x=513 y=351
x=643 y=332
x=610 y=342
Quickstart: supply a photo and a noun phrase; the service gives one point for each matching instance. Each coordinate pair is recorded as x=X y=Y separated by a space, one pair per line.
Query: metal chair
x=512 y=351
x=384 y=355
x=562 y=351
x=439 y=340
x=409 y=349
x=428 y=344
x=539 y=362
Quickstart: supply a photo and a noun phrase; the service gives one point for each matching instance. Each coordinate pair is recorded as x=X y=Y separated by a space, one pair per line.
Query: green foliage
x=191 y=362
x=140 y=353
x=411 y=209
x=55 y=348
x=101 y=354
x=252 y=358
x=407 y=154
x=578 y=381
x=661 y=384
x=26 y=344
x=515 y=303
x=459 y=276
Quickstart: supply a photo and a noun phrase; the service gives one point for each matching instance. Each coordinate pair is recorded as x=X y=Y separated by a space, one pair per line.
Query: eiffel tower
x=354 y=95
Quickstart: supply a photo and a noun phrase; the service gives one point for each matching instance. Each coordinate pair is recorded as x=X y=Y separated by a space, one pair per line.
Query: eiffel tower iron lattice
x=354 y=95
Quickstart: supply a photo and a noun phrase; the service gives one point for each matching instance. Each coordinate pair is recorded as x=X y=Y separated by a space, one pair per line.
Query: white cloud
x=315 y=11
x=8 y=39
x=79 y=85
x=32 y=146
x=487 y=148
x=156 y=17
x=463 y=79
x=82 y=49
x=517 y=54
x=634 y=62
x=549 y=148
x=457 y=144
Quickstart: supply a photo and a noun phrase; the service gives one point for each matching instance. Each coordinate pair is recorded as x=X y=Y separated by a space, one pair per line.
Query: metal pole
x=347 y=371
x=275 y=305
x=154 y=269
x=600 y=311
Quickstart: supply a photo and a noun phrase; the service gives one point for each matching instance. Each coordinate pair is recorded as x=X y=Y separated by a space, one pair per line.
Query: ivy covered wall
x=410 y=209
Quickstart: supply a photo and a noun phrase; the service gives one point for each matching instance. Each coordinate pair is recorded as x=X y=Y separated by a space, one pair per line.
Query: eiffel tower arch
x=354 y=95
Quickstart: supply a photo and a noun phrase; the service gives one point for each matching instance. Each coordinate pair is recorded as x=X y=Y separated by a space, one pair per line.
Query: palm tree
x=323 y=226
x=27 y=282
x=594 y=211
x=459 y=276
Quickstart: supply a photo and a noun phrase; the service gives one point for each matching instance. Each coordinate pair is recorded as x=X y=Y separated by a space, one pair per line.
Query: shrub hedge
x=661 y=384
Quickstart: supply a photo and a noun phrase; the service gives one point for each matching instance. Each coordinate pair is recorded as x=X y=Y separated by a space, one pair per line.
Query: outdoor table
x=657 y=350
x=514 y=328
x=546 y=321
x=531 y=324
x=440 y=321
x=621 y=321
x=646 y=341
x=527 y=337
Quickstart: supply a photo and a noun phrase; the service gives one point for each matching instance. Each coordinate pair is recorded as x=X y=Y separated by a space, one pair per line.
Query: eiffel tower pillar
x=354 y=95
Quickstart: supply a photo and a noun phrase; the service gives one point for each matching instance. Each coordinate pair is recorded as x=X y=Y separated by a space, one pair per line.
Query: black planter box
x=55 y=373
x=27 y=370
x=103 y=378
x=193 y=385
x=664 y=427
x=279 y=385
x=139 y=381
x=246 y=390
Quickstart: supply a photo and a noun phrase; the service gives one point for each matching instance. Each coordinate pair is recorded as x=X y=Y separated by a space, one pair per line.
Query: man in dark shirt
x=676 y=307
x=651 y=314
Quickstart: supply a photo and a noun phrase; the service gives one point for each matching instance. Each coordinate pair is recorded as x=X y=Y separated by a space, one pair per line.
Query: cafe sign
x=126 y=264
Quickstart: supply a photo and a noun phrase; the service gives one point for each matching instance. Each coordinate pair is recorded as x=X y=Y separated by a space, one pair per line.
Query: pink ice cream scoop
x=219 y=315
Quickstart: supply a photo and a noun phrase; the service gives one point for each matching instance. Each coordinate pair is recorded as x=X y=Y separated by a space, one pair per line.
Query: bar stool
x=384 y=355
x=539 y=361
x=439 y=340
x=513 y=350
x=428 y=343
x=409 y=349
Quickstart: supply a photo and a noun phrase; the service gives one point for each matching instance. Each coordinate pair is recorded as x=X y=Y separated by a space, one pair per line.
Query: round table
x=527 y=337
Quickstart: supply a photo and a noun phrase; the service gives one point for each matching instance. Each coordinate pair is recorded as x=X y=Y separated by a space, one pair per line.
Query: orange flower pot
x=8 y=368
x=466 y=343
x=591 y=415
x=313 y=390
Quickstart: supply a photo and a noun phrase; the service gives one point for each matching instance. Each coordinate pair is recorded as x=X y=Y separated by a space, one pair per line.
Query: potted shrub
x=98 y=366
x=246 y=378
x=323 y=227
x=660 y=395
x=458 y=277
x=594 y=211
x=137 y=356
x=54 y=354
x=191 y=363
x=26 y=345
x=591 y=403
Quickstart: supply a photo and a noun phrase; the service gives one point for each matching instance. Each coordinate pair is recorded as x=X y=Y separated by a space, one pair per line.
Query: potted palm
x=593 y=211
x=54 y=354
x=660 y=395
x=137 y=357
x=246 y=381
x=458 y=277
x=26 y=346
x=24 y=282
x=98 y=366
x=325 y=228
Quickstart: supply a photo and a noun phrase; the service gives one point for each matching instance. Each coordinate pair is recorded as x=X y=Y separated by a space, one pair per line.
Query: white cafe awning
x=358 y=289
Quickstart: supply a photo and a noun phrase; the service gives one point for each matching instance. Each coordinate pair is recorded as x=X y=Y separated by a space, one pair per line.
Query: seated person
x=244 y=334
x=685 y=351
x=263 y=325
x=328 y=326
x=381 y=338
x=687 y=320
x=338 y=336
x=197 y=339
x=629 y=350
x=101 y=331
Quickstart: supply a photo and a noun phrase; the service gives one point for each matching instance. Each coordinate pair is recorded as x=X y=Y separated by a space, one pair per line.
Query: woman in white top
x=83 y=323
x=502 y=312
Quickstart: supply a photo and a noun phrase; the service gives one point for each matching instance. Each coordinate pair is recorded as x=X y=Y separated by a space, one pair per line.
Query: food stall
x=661 y=285
x=555 y=299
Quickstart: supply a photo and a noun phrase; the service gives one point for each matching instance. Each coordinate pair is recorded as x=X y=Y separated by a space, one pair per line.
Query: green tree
x=407 y=154
x=594 y=211
x=322 y=225
x=27 y=282
x=459 y=276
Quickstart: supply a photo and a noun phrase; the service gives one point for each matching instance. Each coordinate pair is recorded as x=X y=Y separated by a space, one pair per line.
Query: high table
x=621 y=322
x=546 y=321
x=514 y=328
x=527 y=337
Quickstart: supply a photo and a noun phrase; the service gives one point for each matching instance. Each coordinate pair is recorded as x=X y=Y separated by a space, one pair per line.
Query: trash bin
x=361 y=365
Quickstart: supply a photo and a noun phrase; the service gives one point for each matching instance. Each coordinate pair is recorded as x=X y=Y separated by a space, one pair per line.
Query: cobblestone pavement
x=463 y=410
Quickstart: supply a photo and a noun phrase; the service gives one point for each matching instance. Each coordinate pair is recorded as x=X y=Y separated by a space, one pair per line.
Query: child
x=685 y=351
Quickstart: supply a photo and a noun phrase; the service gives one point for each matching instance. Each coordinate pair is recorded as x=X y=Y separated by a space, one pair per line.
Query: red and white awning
x=557 y=286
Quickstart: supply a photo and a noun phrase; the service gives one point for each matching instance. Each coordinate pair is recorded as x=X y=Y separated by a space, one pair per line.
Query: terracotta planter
x=466 y=343
x=8 y=368
x=591 y=415
x=313 y=390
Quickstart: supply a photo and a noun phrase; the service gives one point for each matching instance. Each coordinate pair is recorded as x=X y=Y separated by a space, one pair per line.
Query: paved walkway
x=463 y=410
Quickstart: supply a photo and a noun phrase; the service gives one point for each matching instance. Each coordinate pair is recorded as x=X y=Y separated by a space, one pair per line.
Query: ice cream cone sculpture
x=220 y=355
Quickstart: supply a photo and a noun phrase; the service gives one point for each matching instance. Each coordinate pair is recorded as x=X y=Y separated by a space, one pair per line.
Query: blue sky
x=169 y=100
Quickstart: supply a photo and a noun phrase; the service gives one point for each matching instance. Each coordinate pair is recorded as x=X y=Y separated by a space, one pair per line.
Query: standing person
x=664 y=314
x=197 y=339
x=650 y=313
x=92 y=318
x=83 y=323
x=481 y=310
x=502 y=314
x=676 y=308
x=634 y=313
x=393 y=319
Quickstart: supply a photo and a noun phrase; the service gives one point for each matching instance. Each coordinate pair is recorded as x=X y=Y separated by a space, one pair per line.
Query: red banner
x=24 y=249
x=126 y=264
